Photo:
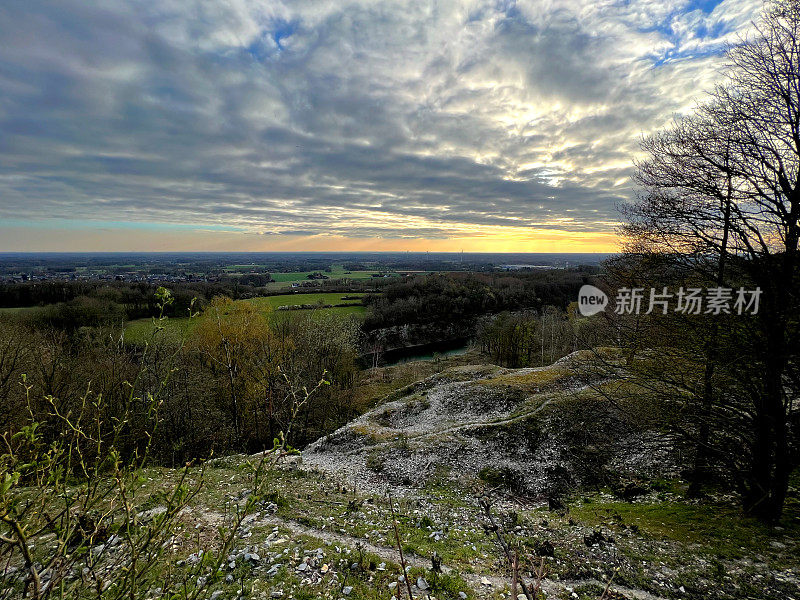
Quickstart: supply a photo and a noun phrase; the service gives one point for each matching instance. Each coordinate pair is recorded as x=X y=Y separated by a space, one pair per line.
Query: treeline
x=719 y=211
x=532 y=339
x=66 y=304
x=228 y=386
x=709 y=369
x=453 y=297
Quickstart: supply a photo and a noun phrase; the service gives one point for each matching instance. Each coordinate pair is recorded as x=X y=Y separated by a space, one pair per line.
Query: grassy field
x=19 y=309
x=139 y=330
x=280 y=280
x=328 y=298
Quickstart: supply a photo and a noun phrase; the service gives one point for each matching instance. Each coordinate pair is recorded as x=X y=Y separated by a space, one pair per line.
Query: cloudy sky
x=339 y=125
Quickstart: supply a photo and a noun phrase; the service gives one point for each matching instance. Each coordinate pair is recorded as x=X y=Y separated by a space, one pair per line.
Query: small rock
x=215 y=595
x=422 y=584
x=347 y=590
x=485 y=581
x=777 y=545
x=462 y=595
x=597 y=538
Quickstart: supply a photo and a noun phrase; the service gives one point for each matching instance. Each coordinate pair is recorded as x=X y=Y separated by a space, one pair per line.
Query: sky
x=267 y=125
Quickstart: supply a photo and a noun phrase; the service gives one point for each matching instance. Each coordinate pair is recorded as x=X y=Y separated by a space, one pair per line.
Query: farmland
x=282 y=280
x=138 y=330
x=355 y=306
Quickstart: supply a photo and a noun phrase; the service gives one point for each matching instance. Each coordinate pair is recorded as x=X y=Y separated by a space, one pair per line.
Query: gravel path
x=476 y=581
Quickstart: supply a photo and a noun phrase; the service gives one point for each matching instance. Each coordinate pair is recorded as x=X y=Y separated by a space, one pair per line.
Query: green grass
x=720 y=530
x=19 y=309
x=139 y=331
x=295 y=299
x=705 y=547
x=282 y=280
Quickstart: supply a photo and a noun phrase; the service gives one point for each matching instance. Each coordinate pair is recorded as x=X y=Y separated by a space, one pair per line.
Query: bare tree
x=722 y=191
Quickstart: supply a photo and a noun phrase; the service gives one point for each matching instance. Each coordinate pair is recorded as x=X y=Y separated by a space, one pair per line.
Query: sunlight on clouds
x=401 y=124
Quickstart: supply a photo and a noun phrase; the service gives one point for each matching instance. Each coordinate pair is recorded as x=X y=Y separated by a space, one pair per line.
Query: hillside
x=583 y=491
x=535 y=431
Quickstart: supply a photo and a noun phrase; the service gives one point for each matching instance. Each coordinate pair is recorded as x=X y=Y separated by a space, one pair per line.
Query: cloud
x=353 y=119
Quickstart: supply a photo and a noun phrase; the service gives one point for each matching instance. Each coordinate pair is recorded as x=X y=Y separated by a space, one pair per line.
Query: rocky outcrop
x=536 y=431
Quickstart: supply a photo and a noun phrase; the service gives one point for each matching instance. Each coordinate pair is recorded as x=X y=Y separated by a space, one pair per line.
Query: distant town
x=291 y=270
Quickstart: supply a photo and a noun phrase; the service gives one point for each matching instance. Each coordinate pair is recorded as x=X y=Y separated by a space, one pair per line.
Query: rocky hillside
x=535 y=431
x=577 y=483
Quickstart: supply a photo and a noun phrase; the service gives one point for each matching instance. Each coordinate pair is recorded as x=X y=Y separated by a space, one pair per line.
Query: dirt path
x=340 y=539
x=474 y=580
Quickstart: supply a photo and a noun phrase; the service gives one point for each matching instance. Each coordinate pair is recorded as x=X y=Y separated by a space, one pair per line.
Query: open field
x=139 y=330
x=18 y=309
x=329 y=298
x=279 y=278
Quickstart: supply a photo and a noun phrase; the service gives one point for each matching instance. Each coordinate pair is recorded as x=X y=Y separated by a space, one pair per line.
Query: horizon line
x=153 y=252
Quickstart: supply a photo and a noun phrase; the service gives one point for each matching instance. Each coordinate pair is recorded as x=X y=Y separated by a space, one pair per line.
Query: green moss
x=375 y=461
x=531 y=381
x=715 y=529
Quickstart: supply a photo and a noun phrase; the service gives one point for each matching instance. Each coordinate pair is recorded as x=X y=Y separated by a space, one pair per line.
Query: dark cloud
x=374 y=119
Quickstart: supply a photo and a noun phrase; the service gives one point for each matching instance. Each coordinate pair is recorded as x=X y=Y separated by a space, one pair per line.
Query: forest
x=229 y=390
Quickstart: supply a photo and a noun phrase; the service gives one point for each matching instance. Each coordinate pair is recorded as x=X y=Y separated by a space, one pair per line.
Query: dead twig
x=495 y=528
x=605 y=595
x=400 y=548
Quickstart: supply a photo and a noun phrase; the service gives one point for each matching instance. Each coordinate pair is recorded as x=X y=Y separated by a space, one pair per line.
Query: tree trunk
x=771 y=462
x=703 y=449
